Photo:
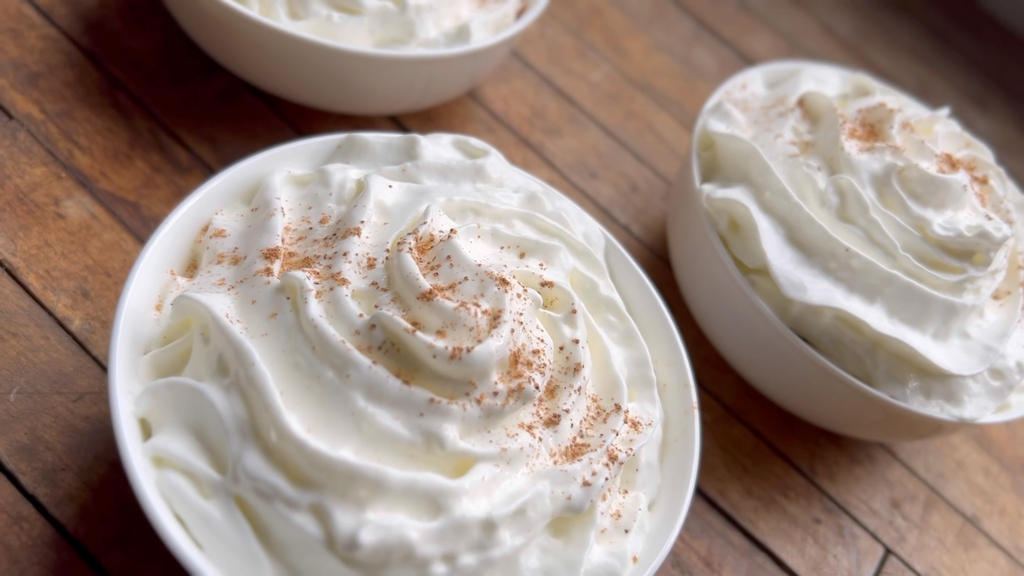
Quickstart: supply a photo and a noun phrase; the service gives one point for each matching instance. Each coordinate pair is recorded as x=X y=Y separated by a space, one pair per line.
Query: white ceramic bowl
x=334 y=77
x=167 y=249
x=759 y=346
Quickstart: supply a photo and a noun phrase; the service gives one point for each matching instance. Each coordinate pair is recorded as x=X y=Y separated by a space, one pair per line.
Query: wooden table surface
x=109 y=116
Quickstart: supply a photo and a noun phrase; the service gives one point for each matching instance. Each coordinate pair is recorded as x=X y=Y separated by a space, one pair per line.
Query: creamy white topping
x=878 y=229
x=393 y=23
x=410 y=361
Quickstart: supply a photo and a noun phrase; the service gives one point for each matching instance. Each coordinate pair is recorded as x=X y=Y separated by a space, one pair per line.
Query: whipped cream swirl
x=412 y=360
x=878 y=229
x=399 y=24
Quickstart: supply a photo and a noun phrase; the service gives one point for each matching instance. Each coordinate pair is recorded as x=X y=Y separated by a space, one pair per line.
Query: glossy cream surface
x=396 y=24
x=878 y=229
x=412 y=360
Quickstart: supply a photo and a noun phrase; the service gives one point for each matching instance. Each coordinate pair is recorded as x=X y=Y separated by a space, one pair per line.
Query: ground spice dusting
x=529 y=378
x=574 y=451
x=219 y=233
x=862 y=130
x=949 y=164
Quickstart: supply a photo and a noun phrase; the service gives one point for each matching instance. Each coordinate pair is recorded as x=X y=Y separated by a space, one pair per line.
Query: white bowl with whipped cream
x=853 y=253
x=399 y=354
x=362 y=57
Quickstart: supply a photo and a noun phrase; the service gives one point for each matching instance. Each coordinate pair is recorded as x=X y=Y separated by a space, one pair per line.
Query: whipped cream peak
x=876 y=228
x=395 y=24
x=412 y=360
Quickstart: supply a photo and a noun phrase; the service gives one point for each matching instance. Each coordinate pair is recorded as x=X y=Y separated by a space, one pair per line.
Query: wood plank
x=58 y=399
x=308 y=121
x=742 y=29
x=29 y=546
x=112 y=144
x=808 y=38
x=654 y=136
x=893 y=566
x=667 y=80
x=592 y=160
x=58 y=241
x=865 y=479
x=710 y=545
x=676 y=33
x=806 y=530
x=981 y=472
x=216 y=114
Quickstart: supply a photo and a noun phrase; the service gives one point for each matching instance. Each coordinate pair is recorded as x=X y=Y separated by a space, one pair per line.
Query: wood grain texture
x=893 y=566
x=214 y=113
x=627 y=46
x=111 y=143
x=868 y=482
x=65 y=247
x=654 y=136
x=588 y=156
x=806 y=530
x=55 y=396
x=29 y=546
x=709 y=545
x=981 y=472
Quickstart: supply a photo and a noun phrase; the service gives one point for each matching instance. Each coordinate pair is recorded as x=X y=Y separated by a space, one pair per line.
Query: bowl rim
x=532 y=12
x=117 y=378
x=997 y=417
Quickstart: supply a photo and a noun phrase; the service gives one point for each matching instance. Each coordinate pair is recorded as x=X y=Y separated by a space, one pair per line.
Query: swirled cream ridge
x=878 y=229
x=393 y=24
x=412 y=360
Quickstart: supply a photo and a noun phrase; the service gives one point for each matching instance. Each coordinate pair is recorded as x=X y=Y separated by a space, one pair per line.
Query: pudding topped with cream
x=412 y=360
x=878 y=229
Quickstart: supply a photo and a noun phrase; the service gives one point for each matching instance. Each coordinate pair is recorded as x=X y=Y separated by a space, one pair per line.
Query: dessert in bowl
x=397 y=354
x=364 y=57
x=854 y=254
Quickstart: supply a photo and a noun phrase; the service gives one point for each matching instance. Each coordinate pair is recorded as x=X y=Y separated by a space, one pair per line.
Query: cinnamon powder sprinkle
x=949 y=164
x=547 y=284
